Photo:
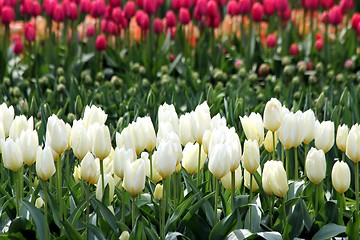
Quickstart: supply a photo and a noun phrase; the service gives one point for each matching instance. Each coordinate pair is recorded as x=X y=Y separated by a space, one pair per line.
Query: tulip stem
x=296 y=164
x=46 y=201
x=283 y=212
x=233 y=190
x=123 y=206
x=250 y=200
x=271 y=199
x=30 y=178
x=316 y=200
x=283 y=156
x=17 y=191
x=198 y=167
x=274 y=150
x=341 y=205
x=151 y=167
x=163 y=211
x=102 y=175
x=343 y=156
x=58 y=181
x=87 y=216
x=357 y=191
x=288 y=163
x=133 y=212
x=216 y=199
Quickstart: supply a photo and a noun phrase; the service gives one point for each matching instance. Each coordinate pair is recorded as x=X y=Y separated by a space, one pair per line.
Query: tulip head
x=251 y=156
x=340 y=177
x=108 y=183
x=100 y=140
x=20 y=124
x=6 y=117
x=185 y=129
x=226 y=180
x=57 y=136
x=324 y=138
x=268 y=142
x=190 y=158
x=45 y=166
x=134 y=177
x=353 y=143
x=93 y=115
x=341 y=137
x=273 y=115
x=253 y=127
x=12 y=155
x=80 y=141
x=315 y=165
x=219 y=160
x=29 y=142
x=200 y=121
x=158 y=193
x=89 y=170
x=274 y=179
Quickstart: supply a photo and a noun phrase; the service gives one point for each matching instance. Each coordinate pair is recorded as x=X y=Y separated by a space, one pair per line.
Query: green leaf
x=222 y=228
x=328 y=231
x=270 y=235
x=239 y=234
x=41 y=230
x=96 y=231
x=100 y=208
x=71 y=231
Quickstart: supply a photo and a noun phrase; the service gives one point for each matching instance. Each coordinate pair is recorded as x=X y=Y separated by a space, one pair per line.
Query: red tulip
x=281 y=5
x=285 y=15
x=264 y=70
x=109 y=27
x=36 y=9
x=116 y=15
x=26 y=7
x=140 y=3
x=171 y=57
x=335 y=15
x=346 y=5
x=312 y=4
x=85 y=6
x=10 y=3
x=294 y=49
x=271 y=40
x=100 y=43
x=355 y=20
x=18 y=47
x=201 y=7
x=184 y=16
x=142 y=19
x=212 y=9
x=327 y=4
x=233 y=8
x=309 y=65
x=7 y=15
x=73 y=11
x=257 y=12
x=59 y=13
x=244 y=6
x=214 y=22
x=319 y=44
x=66 y=6
x=186 y=3
x=49 y=6
x=175 y=4
x=269 y=7
x=158 y=26
x=129 y=9
x=98 y=8
x=150 y=6
x=170 y=19
x=90 y=31
x=324 y=18
x=115 y=3
x=30 y=32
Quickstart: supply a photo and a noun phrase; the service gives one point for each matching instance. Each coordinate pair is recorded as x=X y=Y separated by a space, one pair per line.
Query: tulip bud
x=80 y=141
x=269 y=7
x=274 y=179
x=244 y=6
x=170 y=19
x=309 y=126
x=233 y=8
x=134 y=177
x=7 y=15
x=125 y=234
x=315 y=165
x=324 y=138
x=12 y=155
x=100 y=140
x=150 y=6
x=294 y=49
x=28 y=143
x=129 y=9
x=200 y=121
x=219 y=160
x=341 y=137
x=158 y=26
x=257 y=12
x=184 y=16
x=167 y=113
x=57 y=136
x=291 y=132
x=148 y=133
x=352 y=144
x=251 y=156
x=273 y=115
x=108 y=182
x=100 y=43
x=45 y=166
x=89 y=170
x=19 y=125
x=271 y=41
x=77 y=174
x=340 y=177
x=39 y=202
x=255 y=186
x=335 y=15
x=226 y=180
x=158 y=193
x=190 y=158
x=122 y=156
x=185 y=129
x=253 y=127
x=268 y=143
x=6 y=117
x=30 y=32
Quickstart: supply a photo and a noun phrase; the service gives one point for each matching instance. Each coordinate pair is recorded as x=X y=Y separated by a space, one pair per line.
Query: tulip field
x=179 y=119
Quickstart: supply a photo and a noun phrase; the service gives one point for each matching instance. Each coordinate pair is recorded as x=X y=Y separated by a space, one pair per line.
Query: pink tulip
x=257 y=12
x=30 y=32
x=170 y=19
x=158 y=26
x=100 y=43
x=184 y=16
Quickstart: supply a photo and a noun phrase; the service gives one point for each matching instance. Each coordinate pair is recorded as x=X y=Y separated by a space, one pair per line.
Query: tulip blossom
x=341 y=137
x=167 y=113
x=274 y=180
x=57 y=136
x=108 y=182
x=226 y=180
x=200 y=121
x=247 y=175
x=190 y=158
x=11 y=155
x=315 y=165
x=158 y=193
x=45 y=166
x=219 y=160
x=309 y=126
x=253 y=127
x=251 y=156
x=340 y=177
x=19 y=125
x=268 y=142
x=89 y=170
x=122 y=156
x=325 y=134
x=134 y=177
x=6 y=117
x=100 y=140
x=353 y=143
x=29 y=142
x=273 y=114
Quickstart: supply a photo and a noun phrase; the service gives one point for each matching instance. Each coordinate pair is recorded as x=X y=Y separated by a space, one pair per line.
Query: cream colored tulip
x=166 y=158
x=108 y=181
x=291 y=133
x=20 y=124
x=200 y=121
x=121 y=157
x=167 y=113
x=353 y=143
x=255 y=186
x=125 y=235
x=29 y=142
x=89 y=169
x=134 y=177
x=190 y=158
x=251 y=156
x=11 y=155
x=39 y=202
x=80 y=141
x=77 y=174
x=268 y=142
x=158 y=193
x=56 y=134
x=315 y=165
x=45 y=166
x=253 y=127
x=309 y=126
x=219 y=160
x=341 y=137
x=274 y=179
x=324 y=138
x=185 y=133
x=226 y=180
x=272 y=115
x=341 y=176
x=6 y=117
x=100 y=140
x=93 y=115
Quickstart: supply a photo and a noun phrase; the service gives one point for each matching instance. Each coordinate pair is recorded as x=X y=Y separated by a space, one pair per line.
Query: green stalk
x=283 y=213
x=343 y=156
x=46 y=200
x=283 y=156
x=357 y=191
x=341 y=205
x=87 y=216
x=133 y=212
x=316 y=200
x=123 y=207
x=17 y=192
x=151 y=167
x=306 y=152
x=271 y=199
x=288 y=163
x=59 y=185
x=296 y=164
x=250 y=200
x=102 y=175
x=198 y=167
x=163 y=211
x=233 y=190
x=216 y=199
x=30 y=177
x=274 y=150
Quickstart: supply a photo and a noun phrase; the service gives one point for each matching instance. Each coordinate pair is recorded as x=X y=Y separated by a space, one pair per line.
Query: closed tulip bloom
x=77 y=174
x=218 y=136
x=39 y=202
x=291 y=133
x=206 y=141
x=268 y=143
x=100 y=140
x=45 y=166
x=12 y=155
x=108 y=182
x=353 y=143
x=255 y=186
x=89 y=170
x=6 y=117
x=185 y=133
x=148 y=132
x=315 y=165
x=309 y=126
x=93 y=115
x=57 y=134
x=273 y=115
x=233 y=142
x=190 y=158
x=275 y=178
x=219 y=160
x=155 y=175
x=226 y=180
x=166 y=158
x=251 y=156
x=2 y=135
x=257 y=12
x=324 y=138
x=340 y=177
x=200 y=121
x=80 y=141
x=341 y=137
x=168 y=114
x=158 y=193
x=134 y=177
x=122 y=156
x=20 y=124
x=253 y=127
x=29 y=142
x=268 y=167
x=125 y=235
